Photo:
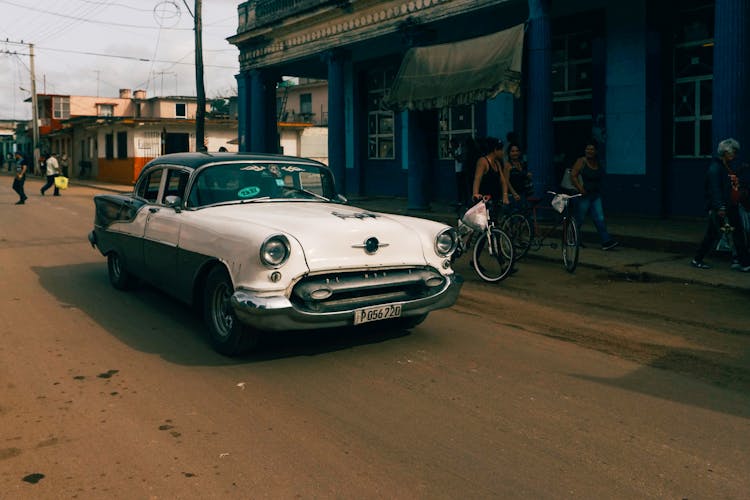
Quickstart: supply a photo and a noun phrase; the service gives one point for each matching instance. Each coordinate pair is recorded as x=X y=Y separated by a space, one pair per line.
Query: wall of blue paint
x=500 y=116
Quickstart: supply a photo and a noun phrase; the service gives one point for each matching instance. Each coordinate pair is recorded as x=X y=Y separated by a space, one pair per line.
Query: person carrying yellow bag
x=53 y=170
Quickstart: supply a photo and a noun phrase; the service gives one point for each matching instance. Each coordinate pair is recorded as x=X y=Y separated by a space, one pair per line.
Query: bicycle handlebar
x=566 y=196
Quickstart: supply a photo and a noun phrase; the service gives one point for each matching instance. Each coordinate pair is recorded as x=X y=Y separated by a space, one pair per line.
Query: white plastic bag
x=476 y=216
x=567 y=182
x=559 y=202
x=726 y=242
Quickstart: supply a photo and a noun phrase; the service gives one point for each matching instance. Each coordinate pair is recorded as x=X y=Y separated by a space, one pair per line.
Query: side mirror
x=173 y=201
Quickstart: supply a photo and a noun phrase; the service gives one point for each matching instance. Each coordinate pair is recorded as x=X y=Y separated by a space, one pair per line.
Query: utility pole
x=34 y=109
x=200 y=115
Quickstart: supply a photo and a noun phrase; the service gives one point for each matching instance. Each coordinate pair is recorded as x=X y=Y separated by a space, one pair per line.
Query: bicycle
x=492 y=254
x=526 y=234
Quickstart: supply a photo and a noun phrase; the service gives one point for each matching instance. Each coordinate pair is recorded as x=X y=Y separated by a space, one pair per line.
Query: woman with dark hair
x=586 y=176
x=518 y=176
x=488 y=174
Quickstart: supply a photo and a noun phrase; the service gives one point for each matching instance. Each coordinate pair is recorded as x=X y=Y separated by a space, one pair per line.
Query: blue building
x=659 y=85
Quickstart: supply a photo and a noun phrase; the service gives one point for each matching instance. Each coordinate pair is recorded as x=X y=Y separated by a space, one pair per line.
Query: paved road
x=547 y=385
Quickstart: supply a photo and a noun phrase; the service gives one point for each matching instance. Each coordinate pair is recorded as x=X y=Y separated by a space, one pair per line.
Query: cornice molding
x=299 y=40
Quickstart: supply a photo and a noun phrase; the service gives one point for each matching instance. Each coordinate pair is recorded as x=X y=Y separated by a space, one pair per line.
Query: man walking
x=53 y=170
x=20 y=178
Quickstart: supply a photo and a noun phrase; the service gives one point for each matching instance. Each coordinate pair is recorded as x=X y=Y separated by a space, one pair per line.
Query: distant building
x=302 y=116
x=112 y=138
x=7 y=139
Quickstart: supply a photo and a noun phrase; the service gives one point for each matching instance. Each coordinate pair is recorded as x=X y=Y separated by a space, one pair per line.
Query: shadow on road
x=149 y=320
x=642 y=381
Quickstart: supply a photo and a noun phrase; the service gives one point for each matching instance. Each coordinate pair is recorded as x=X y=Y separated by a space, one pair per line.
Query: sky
x=97 y=47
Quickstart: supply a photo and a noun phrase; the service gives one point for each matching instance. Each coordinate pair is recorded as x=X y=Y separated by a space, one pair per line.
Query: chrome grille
x=343 y=291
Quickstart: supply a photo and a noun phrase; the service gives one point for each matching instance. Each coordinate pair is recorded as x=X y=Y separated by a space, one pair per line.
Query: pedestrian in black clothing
x=722 y=207
x=20 y=178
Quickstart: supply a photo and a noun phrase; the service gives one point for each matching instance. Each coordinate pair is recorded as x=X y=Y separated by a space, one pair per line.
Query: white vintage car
x=264 y=243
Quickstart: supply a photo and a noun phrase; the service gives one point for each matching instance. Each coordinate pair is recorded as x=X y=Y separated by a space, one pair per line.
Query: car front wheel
x=228 y=335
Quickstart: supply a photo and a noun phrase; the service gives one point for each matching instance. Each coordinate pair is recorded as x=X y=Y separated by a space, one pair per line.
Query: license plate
x=376 y=313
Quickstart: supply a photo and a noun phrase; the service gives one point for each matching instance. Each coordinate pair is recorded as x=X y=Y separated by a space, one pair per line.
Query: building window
x=61 y=108
x=572 y=82
x=109 y=146
x=693 y=81
x=456 y=123
x=105 y=109
x=380 y=129
x=571 y=76
x=180 y=110
x=122 y=145
x=305 y=104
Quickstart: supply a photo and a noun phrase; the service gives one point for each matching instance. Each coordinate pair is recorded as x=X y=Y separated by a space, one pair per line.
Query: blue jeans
x=592 y=204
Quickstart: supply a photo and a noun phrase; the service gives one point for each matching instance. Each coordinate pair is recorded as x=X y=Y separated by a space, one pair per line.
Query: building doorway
x=176 y=143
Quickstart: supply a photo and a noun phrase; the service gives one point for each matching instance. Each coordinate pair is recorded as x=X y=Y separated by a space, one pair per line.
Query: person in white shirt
x=53 y=170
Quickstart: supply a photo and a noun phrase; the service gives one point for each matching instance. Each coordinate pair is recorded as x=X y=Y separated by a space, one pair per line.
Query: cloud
x=96 y=47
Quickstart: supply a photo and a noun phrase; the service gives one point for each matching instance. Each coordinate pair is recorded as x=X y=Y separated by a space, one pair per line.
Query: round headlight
x=274 y=251
x=445 y=242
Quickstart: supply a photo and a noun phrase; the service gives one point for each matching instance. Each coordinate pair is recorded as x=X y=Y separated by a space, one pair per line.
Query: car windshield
x=261 y=180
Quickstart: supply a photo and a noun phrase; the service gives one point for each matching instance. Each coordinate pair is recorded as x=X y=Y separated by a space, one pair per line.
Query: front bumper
x=277 y=313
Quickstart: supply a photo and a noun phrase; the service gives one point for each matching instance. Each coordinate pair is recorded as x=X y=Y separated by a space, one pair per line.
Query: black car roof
x=196 y=160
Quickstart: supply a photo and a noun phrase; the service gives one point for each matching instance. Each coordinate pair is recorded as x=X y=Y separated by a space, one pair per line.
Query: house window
x=61 y=108
x=457 y=123
x=571 y=76
x=380 y=129
x=122 y=145
x=106 y=109
x=572 y=82
x=109 y=146
x=305 y=104
x=180 y=110
x=693 y=81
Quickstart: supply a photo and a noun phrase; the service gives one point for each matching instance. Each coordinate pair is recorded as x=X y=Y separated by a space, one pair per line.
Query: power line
x=82 y=19
x=115 y=56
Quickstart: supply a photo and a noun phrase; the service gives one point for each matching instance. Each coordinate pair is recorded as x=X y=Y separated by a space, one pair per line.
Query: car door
x=162 y=232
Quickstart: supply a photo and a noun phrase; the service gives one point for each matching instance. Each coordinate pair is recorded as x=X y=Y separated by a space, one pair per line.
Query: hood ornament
x=371 y=245
x=355 y=215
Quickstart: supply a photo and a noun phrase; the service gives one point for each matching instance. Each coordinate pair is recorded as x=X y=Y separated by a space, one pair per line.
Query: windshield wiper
x=303 y=190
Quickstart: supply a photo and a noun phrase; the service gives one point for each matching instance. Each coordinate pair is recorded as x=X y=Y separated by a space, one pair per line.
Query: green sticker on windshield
x=249 y=192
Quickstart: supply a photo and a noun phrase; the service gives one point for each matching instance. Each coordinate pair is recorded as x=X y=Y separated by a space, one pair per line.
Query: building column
x=730 y=83
x=415 y=160
x=539 y=135
x=263 y=136
x=336 y=116
x=243 y=112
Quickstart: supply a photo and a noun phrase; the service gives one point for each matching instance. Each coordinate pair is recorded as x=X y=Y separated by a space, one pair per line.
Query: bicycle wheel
x=518 y=228
x=570 y=245
x=493 y=256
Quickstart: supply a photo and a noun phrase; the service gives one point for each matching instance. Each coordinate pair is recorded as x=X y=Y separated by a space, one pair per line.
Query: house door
x=177 y=143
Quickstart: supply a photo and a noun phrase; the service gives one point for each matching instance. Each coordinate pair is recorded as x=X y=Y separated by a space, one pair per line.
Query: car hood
x=336 y=236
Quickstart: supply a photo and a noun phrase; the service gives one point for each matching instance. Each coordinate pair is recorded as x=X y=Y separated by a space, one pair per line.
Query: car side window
x=176 y=183
x=148 y=189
